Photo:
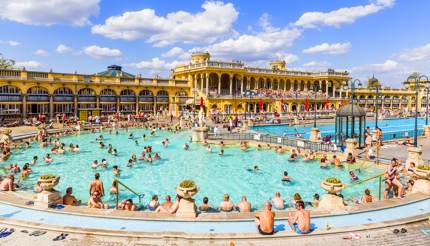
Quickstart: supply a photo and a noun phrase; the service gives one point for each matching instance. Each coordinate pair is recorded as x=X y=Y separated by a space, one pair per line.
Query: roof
x=347 y=110
x=115 y=71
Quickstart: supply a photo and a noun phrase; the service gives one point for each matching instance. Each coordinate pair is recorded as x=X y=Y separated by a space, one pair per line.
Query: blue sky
x=388 y=38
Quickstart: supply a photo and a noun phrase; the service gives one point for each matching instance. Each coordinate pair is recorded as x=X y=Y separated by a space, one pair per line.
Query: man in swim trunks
x=265 y=220
x=244 y=205
x=7 y=183
x=70 y=199
x=97 y=185
x=226 y=205
x=278 y=201
x=301 y=221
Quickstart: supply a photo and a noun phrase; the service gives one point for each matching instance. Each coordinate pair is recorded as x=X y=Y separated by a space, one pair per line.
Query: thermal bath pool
x=214 y=174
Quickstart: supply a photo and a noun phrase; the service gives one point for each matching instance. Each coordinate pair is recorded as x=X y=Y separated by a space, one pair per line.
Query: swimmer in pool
x=144 y=137
x=136 y=142
x=104 y=163
x=101 y=145
x=256 y=169
x=110 y=148
x=142 y=156
x=130 y=136
x=48 y=159
x=76 y=149
x=99 y=138
x=130 y=163
x=209 y=148
x=95 y=164
x=149 y=160
x=186 y=146
x=116 y=170
x=286 y=178
x=157 y=157
x=34 y=161
x=221 y=152
x=114 y=152
x=353 y=176
x=133 y=158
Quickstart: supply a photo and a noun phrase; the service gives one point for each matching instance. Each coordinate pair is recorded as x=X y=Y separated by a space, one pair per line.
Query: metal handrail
x=116 y=183
x=368 y=179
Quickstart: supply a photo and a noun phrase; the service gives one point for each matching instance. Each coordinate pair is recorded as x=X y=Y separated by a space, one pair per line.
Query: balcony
x=106 y=98
x=127 y=99
x=87 y=98
x=63 y=98
x=10 y=98
x=146 y=99
x=162 y=99
x=38 y=98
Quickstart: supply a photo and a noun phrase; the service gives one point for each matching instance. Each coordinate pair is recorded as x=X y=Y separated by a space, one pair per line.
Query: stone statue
x=201 y=116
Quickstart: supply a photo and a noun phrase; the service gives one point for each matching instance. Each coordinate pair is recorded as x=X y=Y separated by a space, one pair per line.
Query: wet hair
x=205 y=200
x=154 y=197
x=367 y=192
x=69 y=190
x=97 y=175
x=168 y=198
x=285 y=173
x=116 y=166
x=297 y=197
x=316 y=196
x=300 y=204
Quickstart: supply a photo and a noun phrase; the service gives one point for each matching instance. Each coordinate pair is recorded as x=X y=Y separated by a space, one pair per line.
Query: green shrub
x=424 y=167
x=333 y=180
x=48 y=176
x=187 y=183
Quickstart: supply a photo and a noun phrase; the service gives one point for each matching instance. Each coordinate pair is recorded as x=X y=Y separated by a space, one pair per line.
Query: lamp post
x=316 y=89
x=376 y=107
x=427 y=89
x=416 y=80
x=353 y=84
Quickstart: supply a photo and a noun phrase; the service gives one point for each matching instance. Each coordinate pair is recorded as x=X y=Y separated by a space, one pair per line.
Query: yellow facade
x=225 y=86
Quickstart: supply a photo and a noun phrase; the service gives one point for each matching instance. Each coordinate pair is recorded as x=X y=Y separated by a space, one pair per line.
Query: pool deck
x=391 y=149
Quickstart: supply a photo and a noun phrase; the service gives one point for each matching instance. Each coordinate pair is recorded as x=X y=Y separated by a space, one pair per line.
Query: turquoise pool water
x=391 y=129
x=214 y=174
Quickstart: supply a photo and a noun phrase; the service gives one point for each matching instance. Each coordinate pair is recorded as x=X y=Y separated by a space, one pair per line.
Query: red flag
x=261 y=104
x=201 y=101
x=306 y=104
x=327 y=104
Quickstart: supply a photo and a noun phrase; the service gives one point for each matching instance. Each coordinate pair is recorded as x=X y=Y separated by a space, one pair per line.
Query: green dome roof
x=115 y=71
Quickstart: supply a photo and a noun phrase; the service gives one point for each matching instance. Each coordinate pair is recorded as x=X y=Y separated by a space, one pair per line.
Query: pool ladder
x=380 y=176
x=116 y=183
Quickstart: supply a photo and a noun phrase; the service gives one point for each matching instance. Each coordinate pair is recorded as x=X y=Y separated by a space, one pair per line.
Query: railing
x=265 y=138
x=64 y=98
x=10 y=98
x=116 y=184
x=108 y=98
x=380 y=176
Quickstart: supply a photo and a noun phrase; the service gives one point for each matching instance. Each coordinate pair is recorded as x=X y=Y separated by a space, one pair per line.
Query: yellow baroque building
x=229 y=87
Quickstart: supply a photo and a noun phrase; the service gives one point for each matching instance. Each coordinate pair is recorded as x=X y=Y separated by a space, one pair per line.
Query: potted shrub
x=423 y=171
x=186 y=189
x=332 y=185
x=48 y=181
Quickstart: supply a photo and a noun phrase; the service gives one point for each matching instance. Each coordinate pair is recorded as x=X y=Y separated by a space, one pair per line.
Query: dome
x=346 y=110
x=373 y=83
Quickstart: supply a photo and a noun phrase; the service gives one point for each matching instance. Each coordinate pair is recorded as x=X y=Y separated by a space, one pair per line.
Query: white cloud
x=288 y=58
x=28 y=64
x=155 y=64
x=49 y=12
x=62 y=48
x=341 y=16
x=10 y=42
x=316 y=64
x=215 y=20
x=415 y=54
x=100 y=52
x=325 y=48
x=41 y=52
x=388 y=66
x=175 y=51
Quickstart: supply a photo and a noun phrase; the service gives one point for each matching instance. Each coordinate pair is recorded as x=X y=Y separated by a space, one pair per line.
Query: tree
x=6 y=63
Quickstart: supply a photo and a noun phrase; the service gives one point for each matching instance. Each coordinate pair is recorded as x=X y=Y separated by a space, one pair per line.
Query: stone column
x=351 y=145
x=241 y=86
x=326 y=88
x=51 y=107
x=334 y=91
x=97 y=101
x=75 y=101
x=117 y=104
x=137 y=104
x=24 y=106
x=207 y=85
x=201 y=83
x=219 y=84
x=427 y=131
x=231 y=85
x=415 y=156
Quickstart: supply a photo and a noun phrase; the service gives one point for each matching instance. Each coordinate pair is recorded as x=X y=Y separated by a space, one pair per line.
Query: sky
x=389 y=39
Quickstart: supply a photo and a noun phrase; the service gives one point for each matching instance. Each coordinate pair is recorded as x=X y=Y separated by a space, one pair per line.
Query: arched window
x=63 y=91
x=86 y=92
x=37 y=90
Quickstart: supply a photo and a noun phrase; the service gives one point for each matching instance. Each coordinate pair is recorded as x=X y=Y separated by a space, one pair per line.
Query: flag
x=306 y=104
x=260 y=104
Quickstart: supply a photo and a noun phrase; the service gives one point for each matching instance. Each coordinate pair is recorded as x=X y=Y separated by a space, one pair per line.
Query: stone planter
x=186 y=193
x=49 y=183
x=332 y=188
x=422 y=174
